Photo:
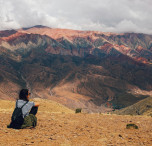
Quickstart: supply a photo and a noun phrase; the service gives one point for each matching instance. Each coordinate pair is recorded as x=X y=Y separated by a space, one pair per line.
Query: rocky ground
x=58 y=125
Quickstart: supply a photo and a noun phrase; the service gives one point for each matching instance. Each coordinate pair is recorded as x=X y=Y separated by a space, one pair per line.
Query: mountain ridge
x=94 y=70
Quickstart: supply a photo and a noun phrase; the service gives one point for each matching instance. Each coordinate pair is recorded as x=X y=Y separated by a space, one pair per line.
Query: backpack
x=17 y=117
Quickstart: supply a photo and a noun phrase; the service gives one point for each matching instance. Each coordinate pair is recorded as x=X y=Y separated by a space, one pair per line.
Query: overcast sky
x=101 y=15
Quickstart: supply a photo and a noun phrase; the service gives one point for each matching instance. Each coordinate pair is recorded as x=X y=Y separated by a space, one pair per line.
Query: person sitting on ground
x=24 y=112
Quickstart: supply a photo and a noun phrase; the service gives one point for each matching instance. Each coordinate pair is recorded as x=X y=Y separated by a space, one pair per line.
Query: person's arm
x=37 y=104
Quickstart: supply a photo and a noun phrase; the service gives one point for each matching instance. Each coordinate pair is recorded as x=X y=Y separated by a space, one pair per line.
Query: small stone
x=51 y=138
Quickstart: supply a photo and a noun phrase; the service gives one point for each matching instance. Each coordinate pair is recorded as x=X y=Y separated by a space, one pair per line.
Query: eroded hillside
x=96 y=71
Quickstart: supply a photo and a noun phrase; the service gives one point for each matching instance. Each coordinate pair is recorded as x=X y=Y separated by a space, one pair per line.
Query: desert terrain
x=60 y=126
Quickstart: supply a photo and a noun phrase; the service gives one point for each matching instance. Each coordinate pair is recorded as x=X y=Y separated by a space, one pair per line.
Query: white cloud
x=101 y=15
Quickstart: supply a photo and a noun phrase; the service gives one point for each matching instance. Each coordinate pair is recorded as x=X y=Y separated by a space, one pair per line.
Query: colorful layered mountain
x=96 y=71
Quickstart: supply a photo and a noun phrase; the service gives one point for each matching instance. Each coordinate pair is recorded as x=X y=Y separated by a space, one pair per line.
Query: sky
x=98 y=15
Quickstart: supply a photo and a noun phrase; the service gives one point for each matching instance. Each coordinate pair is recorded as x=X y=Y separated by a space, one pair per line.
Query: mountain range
x=95 y=71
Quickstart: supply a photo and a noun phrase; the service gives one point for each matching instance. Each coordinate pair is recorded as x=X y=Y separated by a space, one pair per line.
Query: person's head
x=24 y=94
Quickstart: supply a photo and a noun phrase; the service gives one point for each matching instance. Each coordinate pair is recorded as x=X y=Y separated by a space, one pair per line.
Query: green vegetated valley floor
x=58 y=125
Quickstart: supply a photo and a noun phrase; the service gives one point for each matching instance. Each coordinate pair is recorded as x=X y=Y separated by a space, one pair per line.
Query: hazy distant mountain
x=92 y=70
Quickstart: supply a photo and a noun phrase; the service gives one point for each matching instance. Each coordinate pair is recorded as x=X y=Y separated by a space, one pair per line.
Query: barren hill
x=46 y=106
x=59 y=126
x=143 y=107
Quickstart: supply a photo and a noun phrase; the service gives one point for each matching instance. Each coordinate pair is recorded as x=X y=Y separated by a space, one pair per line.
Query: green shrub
x=131 y=126
x=78 y=110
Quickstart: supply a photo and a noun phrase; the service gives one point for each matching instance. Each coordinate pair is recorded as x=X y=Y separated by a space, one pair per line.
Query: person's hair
x=23 y=94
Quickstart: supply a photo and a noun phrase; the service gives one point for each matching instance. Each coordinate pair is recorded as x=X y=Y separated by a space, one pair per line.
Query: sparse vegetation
x=78 y=110
x=131 y=126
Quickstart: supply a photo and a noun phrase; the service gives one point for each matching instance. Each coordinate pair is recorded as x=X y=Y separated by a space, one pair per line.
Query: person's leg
x=29 y=121
x=34 y=110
